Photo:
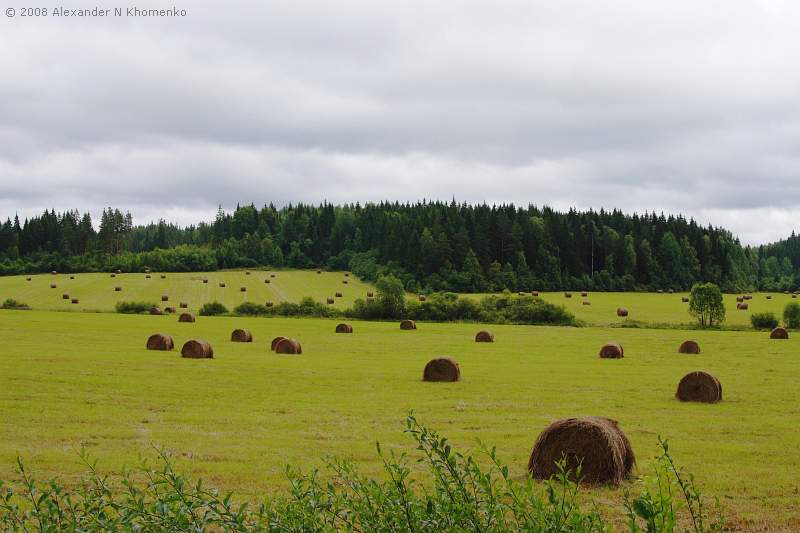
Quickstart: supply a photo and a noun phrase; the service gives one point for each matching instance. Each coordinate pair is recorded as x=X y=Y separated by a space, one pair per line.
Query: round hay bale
x=117 y=289
x=584 y=294
x=53 y=272
x=330 y=301
x=275 y=342
x=520 y=293
x=612 y=350
x=164 y=298
x=241 y=335
x=344 y=328
x=621 y=311
x=740 y=299
x=586 y=302
x=441 y=369
x=408 y=324
x=159 y=341
x=347 y=274
x=748 y=296
x=272 y=275
x=147 y=276
x=155 y=311
x=319 y=271
x=65 y=296
x=671 y=291
x=186 y=317
x=769 y=297
x=684 y=299
x=690 y=347
x=183 y=305
x=146 y=270
x=535 y=293
x=741 y=306
x=71 y=277
x=268 y=304
x=247 y=273
x=119 y=271
x=75 y=301
x=660 y=291
x=422 y=297
x=169 y=310
x=794 y=296
x=266 y=281
x=52 y=285
x=338 y=294
x=699 y=387
x=222 y=284
x=113 y=275
x=484 y=336
x=163 y=276
x=567 y=295
x=779 y=333
x=344 y=281
x=242 y=289
x=205 y=281
x=27 y=279
x=288 y=346
x=197 y=349
x=595 y=443
x=370 y=294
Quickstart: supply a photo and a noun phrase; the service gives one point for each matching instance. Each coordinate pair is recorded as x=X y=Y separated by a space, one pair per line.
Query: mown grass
x=69 y=380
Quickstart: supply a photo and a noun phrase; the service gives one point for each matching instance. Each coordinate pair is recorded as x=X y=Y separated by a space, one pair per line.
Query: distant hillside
x=429 y=245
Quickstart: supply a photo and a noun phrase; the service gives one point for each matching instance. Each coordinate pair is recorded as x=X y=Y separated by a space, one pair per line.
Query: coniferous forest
x=429 y=245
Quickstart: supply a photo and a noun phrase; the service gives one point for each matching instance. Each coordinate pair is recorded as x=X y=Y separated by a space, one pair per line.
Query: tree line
x=428 y=245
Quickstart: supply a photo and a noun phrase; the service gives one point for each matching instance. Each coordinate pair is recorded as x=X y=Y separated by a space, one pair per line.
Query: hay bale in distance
x=241 y=335
x=197 y=349
x=268 y=304
x=113 y=275
x=338 y=294
x=242 y=289
x=75 y=301
x=740 y=299
x=441 y=369
x=741 y=306
x=65 y=296
x=690 y=347
x=266 y=281
x=169 y=310
x=408 y=324
x=535 y=293
x=27 y=279
x=117 y=289
x=584 y=294
x=71 y=277
x=205 y=280
x=163 y=276
x=52 y=285
x=347 y=274
x=330 y=301
x=344 y=328
x=684 y=299
x=272 y=275
x=699 y=387
x=769 y=297
x=183 y=305
x=370 y=294
x=567 y=295
x=159 y=341
x=586 y=302
x=344 y=281
x=422 y=298
x=597 y=444
x=275 y=342
x=222 y=284
x=621 y=311
x=186 y=317
x=247 y=273
x=53 y=273
x=147 y=276
x=288 y=346
x=612 y=350
x=779 y=333
x=155 y=311
x=484 y=336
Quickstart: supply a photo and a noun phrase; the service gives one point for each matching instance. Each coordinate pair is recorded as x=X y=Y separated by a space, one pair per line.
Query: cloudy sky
x=679 y=106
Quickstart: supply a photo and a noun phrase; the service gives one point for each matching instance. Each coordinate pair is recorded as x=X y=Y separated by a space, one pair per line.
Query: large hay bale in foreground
x=155 y=311
x=779 y=333
x=408 y=324
x=197 y=349
x=441 y=369
x=699 y=387
x=289 y=346
x=595 y=443
x=612 y=350
x=275 y=342
x=159 y=341
x=241 y=335
x=344 y=328
x=186 y=317
x=690 y=347
x=621 y=311
x=484 y=336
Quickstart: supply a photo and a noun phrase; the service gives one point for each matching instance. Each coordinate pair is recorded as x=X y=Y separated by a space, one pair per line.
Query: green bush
x=213 y=309
x=134 y=307
x=452 y=492
x=307 y=307
x=764 y=320
x=791 y=315
x=706 y=305
x=250 y=309
x=11 y=303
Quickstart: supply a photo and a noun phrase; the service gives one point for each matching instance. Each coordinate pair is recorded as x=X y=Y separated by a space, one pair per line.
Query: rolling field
x=95 y=292
x=79 y=379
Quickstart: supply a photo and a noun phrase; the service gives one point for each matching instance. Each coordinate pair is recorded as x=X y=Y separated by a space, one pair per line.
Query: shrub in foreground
x=791 y=315
x=134 y=307
x=213 y=309
x=764 y=320
x=455 y=494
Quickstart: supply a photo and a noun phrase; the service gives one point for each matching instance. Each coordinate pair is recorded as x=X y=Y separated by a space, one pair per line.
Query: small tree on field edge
x=791 y=315
x=705 y=304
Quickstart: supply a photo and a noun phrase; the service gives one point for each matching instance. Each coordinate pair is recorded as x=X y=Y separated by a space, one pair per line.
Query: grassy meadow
x=72 y=380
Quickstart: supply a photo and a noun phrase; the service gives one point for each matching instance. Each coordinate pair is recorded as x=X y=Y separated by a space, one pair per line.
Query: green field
x=95 y=292
x=72 y=380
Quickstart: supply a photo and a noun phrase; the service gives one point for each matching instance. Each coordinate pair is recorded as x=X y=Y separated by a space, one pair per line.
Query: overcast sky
x=682 y=106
